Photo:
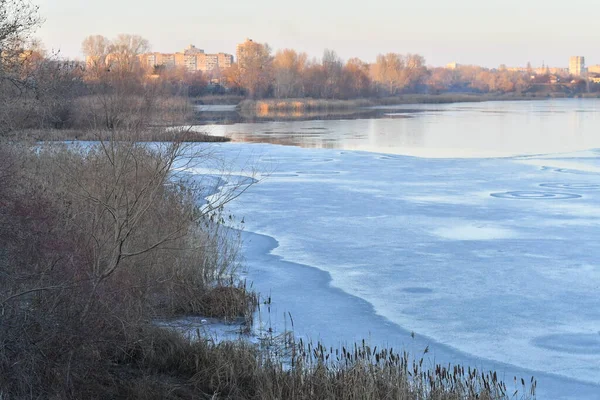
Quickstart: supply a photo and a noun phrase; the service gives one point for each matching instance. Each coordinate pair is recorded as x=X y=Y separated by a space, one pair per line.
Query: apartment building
x=207 y=62
x=577 y=65
x=225 y=60
x=594 y=69
x=191 y=58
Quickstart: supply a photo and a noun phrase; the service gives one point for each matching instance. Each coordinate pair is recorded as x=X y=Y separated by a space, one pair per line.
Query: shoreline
x=264 y=106
x=317 y=307
x=273 y=110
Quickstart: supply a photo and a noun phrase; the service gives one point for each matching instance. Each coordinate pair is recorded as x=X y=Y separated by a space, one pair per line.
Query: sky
x=481 y=32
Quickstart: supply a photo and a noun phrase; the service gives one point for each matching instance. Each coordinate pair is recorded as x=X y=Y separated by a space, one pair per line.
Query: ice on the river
x=496 y=258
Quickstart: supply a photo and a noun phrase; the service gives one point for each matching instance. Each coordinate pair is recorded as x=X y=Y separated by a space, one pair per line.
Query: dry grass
x=129 y=111
x=303 y=107
x=263 y=107
x=156 y=134
x=289 y=370
x=229 y=99
x=100 y=112
x=445 y=98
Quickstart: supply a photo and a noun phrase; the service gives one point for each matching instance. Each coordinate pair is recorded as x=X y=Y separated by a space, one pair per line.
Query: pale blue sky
x=484 y=32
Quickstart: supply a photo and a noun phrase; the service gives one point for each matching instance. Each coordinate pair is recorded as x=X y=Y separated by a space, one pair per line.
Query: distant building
x=577 y=65
x=168 y=60
x=452 y=65
x=192 y=59
x=192 y=50
x=594 y=69
x=225 y=60
x=207 y=62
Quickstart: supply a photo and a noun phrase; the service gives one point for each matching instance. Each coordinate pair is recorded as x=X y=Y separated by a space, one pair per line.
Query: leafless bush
x=96 y=241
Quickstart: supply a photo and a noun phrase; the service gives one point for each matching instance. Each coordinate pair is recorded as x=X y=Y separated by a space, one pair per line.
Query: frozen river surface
x=492 y=262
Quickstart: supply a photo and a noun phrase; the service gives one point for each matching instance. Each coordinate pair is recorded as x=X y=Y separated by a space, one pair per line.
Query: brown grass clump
x=227 y=302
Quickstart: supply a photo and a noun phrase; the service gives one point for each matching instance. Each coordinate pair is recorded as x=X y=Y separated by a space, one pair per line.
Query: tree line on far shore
x=287 y=73
x=60 y=94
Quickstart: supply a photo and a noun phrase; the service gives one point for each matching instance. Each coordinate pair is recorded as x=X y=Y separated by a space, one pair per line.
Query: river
x=471 y=229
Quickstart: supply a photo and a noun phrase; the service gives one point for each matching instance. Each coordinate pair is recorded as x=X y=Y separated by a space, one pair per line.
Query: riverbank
x=263 y=107
x=306 y=109
x=147 y=135
x=324 y=109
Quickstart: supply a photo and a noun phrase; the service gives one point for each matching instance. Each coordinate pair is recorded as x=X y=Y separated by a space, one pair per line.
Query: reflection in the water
x=453 y=130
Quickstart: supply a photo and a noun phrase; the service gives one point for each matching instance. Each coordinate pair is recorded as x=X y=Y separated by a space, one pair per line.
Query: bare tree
x=18 y=21
x=124 y=52
x=332 y=68
x=356 y=80
x=120 y=100
x=255 y=68
x=288 y=67
x=95 y=48
x=395 y=72
x=314 y=79
x=386 y=71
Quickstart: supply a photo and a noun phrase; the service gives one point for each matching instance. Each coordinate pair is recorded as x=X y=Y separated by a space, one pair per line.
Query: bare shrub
x=97 y=241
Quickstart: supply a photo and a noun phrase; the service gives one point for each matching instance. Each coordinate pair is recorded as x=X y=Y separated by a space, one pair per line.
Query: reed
x=282 y=368
x=262 y=107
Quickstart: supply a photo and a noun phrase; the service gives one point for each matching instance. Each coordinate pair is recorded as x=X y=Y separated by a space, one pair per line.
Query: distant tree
x=124 y=52
x=332 y=69
x=115 y=76
x=288 y=67
x=414 y=72
x=18 y=21
x=95 y=48
x=441 y=80
x=119 y=56
x=314 y=79
x=233 y=79
x=254 y=68
x=356 y=81
x=387 y=72
x=196 y=83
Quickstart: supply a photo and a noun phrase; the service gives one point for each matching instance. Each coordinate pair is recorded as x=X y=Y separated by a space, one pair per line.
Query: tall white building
x=577 y=65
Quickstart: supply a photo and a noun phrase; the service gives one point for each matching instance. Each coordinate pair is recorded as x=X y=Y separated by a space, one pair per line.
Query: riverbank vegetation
x=96 y=242
x=307 y=105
